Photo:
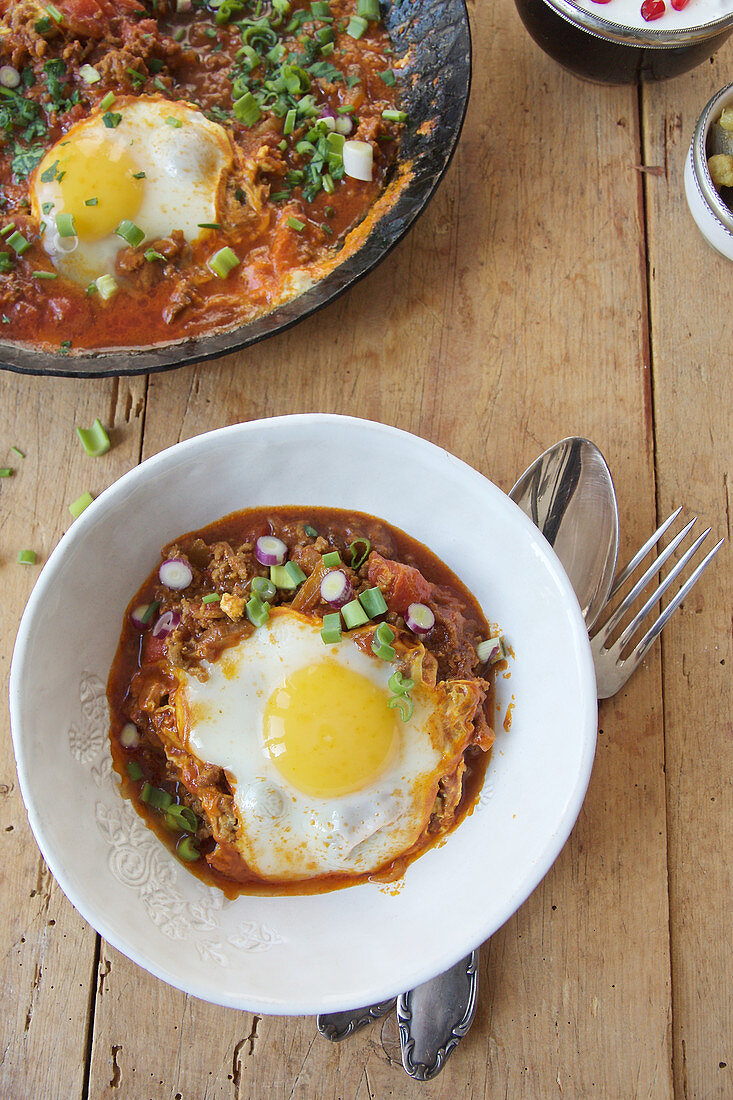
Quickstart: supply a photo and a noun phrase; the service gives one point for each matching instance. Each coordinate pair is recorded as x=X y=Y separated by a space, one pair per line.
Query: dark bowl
x=435 y=38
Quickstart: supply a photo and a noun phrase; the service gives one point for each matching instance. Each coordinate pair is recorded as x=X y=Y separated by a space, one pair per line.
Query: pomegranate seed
x=678 y=5
x=653 y=9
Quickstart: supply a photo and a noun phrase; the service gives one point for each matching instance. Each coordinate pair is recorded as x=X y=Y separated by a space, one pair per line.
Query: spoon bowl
x=568 y=494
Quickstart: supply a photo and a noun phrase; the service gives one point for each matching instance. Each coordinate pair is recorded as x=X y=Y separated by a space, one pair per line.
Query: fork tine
x=659 y=591
x=610 y=625
x=641 y=553
x=637 y=654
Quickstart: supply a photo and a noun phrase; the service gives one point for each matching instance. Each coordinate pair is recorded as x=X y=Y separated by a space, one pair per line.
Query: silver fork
x=613 y=670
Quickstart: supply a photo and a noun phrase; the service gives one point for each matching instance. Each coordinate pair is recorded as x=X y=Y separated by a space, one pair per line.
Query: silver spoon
x=568 y=494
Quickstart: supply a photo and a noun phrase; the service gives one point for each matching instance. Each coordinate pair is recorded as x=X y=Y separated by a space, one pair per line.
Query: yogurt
x=628 y=13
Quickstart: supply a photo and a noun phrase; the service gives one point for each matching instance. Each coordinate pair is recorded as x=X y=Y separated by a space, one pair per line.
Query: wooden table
x=556 y=285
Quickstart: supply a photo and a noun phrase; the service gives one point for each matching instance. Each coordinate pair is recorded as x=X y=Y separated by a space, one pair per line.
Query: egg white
x=180 y=156
x=286 y=834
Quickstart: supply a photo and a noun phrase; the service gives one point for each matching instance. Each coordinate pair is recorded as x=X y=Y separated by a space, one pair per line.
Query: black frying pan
x=435 y=36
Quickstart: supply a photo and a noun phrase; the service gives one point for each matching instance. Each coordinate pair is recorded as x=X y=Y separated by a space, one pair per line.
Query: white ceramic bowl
x=711 y=215
x=365 y=943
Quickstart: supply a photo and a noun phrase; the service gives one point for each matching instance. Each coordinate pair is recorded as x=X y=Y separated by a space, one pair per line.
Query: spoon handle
x=340 y=1025
x=435 y=1016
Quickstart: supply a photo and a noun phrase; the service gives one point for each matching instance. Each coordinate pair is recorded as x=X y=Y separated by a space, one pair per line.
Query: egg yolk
x=328 y=730
x=95 y=183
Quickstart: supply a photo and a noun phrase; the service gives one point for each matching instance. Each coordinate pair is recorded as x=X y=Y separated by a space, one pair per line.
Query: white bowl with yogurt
x=624 y=41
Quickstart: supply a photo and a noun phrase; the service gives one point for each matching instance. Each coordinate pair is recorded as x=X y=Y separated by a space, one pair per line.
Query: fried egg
x=157 y=164
x=326 y=776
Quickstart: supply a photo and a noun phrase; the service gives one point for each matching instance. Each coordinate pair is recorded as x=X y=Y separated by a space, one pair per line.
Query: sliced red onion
x=358 y=160
x=419 y=618
x=336 y=588
x=9 y=76
x=166 y=624
x=344 y=124
x=175 y=573
x=138 y=615
x=270 y=550
x=129 y=736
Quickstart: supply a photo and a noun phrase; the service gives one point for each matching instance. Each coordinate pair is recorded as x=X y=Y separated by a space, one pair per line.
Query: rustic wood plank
x=47 y=968
x=513 y=315
x=693 y=395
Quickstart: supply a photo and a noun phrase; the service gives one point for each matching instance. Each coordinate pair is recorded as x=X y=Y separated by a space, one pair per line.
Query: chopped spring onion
x=150 y=611
x=354 y=614
x=54 y=13
x=94 y=440
x=332 y=558
x=403 y=703
x=6 y=471
x=310 y=531
x=400 y=684
x=208 y=225
x=80 y=504
x=320 y=9
x=17 y=451
x=44 y=274
x=166 y=624
x=394 y=116
x=368 y=9
x=175 y=573
x=359 y=557
x=382 y=642
x=212 y=597
x=263 y=588
x=111 y=119
x=91 y=202
x=270 y=550
x=129 y=232
x=491 y=650
x=358 y=160
x=171 y=120
x=107 y=102
x=388 y=77
x=9 y=76
x=356 y=26
x=134 y=770
x=18 y=243
x=344 y=125
x=336 y=588
x=181 y=817
x=287 y=576
x=419 y=618
x=154 y=796
x=223 y=262
x=150 y=254
x=257 y=611
x=26 y=557
x=106 y=285
x=130 y=736
x=187 y=850
x=89 y=74
x=373 y=602
x=331 y=630
x=7 y=229
x=247 y=109
x=289 y=124
x=295 y=223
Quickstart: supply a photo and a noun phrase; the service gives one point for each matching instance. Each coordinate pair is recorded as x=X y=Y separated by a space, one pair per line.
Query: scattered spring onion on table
x=80 y=504
x=94 y=440
x=26 y=557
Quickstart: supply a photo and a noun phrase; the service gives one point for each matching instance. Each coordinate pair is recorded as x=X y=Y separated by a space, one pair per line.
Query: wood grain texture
x=693 y=398
x=545 y=292
x=48 y=951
